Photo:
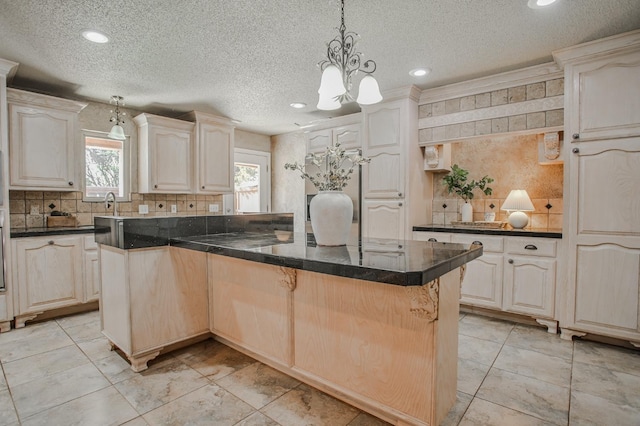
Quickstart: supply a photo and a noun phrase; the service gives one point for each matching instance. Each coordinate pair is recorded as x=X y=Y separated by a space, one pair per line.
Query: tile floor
x=61 y=372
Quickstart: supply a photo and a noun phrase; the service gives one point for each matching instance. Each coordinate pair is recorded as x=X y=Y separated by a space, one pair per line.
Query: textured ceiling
x=249 y=59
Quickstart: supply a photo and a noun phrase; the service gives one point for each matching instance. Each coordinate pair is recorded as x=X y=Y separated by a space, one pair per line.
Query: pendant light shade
x=331 y=84
x=117 y=132
x=327 y=103
x=369 y=92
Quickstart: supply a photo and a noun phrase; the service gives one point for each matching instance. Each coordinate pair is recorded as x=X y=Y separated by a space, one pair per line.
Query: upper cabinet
x=43 y=142
x=165 y=154
x=603 y=88
x=345 y=130
x=214 y=153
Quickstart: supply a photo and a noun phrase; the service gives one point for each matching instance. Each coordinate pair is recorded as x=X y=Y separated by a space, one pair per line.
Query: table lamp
x=518 y=202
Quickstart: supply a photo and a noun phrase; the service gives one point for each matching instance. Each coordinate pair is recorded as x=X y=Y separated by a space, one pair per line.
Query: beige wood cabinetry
x=514 y=274
x=43 y=142
x=91 y=269
x=250 y=305
x=602 y=188
x=395 y=188
x=165 y=159
x=332 y=332
x=348 y=135
x=214 y=142
x=157 y=297
x=47 y=274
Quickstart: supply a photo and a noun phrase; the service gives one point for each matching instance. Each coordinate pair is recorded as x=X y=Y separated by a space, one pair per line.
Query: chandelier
x=342 y=64
x=117 y=132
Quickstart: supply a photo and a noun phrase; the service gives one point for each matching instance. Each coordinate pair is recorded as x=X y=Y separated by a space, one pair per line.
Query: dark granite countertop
x=410 y=262
x=527 y=232
x=37 y=232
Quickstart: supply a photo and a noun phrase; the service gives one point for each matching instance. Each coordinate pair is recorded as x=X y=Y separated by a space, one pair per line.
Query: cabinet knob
x=530 y=247
x=400 y=204
x=510 y=261
x=477 y=243
x=433 y=240
x=202 y=187
x=399 y=246
x=155 y=186
x=575 y=136
x=575 y=150
x=399 y=194
x=50 y=242
x=70 y=183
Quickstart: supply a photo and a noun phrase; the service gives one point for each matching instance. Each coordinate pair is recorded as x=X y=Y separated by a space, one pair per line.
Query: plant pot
x=331 y=215
x=466 y=211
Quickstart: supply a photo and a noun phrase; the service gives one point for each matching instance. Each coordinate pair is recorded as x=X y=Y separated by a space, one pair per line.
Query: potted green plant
x=456 y=182
x=331 y=210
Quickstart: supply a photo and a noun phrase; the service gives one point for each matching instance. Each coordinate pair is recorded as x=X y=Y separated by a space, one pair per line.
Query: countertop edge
x=503 y=232
x=40 y=232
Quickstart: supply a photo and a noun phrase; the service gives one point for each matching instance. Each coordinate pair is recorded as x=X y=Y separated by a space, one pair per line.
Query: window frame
x=264 y=175
x=126 y=172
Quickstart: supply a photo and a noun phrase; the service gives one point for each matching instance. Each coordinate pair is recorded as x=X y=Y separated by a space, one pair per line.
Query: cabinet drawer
x=440 y=237
x=90 y=242
x=489 y=243
x=528 y=246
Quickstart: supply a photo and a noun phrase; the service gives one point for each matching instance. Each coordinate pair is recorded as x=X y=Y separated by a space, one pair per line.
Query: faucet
x=115 y=203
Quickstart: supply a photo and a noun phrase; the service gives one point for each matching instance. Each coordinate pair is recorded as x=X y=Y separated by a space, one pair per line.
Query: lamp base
x=518 y=220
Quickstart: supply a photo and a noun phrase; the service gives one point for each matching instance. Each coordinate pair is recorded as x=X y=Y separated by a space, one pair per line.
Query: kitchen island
x=374 y=325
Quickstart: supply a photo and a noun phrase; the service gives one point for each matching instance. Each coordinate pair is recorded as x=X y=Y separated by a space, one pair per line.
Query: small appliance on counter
x=58 y=219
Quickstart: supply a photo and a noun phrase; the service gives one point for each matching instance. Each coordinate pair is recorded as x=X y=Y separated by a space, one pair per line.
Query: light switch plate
x=174 y=208
x=213 y=208
x=143 y=209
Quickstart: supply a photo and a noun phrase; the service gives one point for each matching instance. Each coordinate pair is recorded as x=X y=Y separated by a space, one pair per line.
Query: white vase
x=331 y=215
x=467 y=212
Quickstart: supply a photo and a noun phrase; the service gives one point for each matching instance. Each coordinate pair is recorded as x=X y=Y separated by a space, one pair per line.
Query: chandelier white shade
x=117 y=132
x=342 y=64
x=517 y=203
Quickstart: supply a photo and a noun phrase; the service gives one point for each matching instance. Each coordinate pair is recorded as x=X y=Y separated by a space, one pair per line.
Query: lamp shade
x=369 y=92
x=331 y=83
x=117 y=132
x=518 y=200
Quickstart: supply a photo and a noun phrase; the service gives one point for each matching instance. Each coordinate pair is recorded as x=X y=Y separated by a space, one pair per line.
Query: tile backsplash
x=512 y=161
x=28 y=209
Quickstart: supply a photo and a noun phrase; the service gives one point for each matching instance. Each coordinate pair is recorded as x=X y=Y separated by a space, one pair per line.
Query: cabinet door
x=605 y=98
x=529 y=285
x=383 y=177
x=383 y=219
x=48 y=272
x=215 y=159
x=41 y=148
x=91 y=276
x=319 y=140
x=170 y=160
x=482 y=283
x=347 y=136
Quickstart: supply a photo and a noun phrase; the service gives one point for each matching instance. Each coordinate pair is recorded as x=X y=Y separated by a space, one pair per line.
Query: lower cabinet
x=47 y=274
x=152 y=298
x=514 y=274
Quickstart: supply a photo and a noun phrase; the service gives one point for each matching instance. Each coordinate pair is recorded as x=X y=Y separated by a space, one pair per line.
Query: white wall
x=254 y=141
x=287 y=188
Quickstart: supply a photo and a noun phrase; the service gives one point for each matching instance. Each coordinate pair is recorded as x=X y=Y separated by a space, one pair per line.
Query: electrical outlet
x=174 y=208
x=213 y=208
x=35 y=210
x=143 y=209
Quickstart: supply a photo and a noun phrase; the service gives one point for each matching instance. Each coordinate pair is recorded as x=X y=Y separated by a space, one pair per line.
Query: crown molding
x=529 y=75
x=8 y=69
x=614 y=44
x=16 y=96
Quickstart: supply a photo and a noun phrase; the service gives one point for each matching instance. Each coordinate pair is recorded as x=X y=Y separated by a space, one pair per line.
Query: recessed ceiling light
x=537 y=4
x=95 y=36
x=420 y=72
x=297 y=105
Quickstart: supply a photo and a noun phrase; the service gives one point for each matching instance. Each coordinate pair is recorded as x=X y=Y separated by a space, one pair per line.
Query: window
x=106 y=167
x=252 y=181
